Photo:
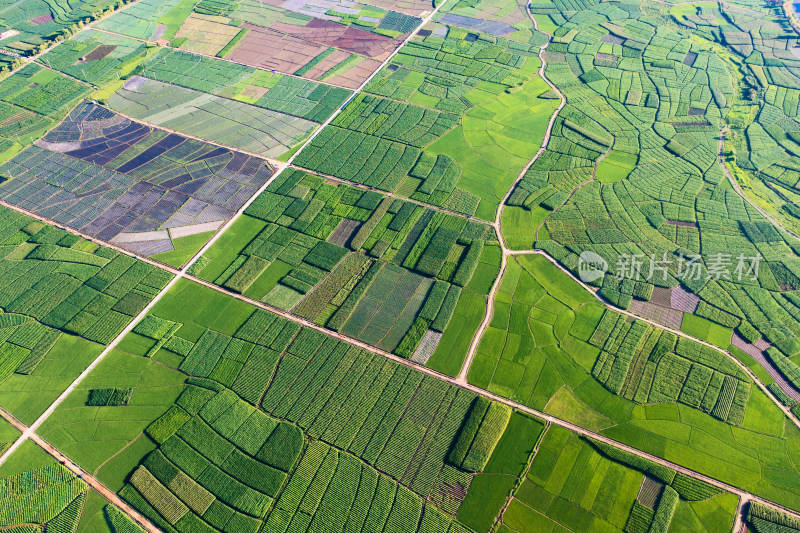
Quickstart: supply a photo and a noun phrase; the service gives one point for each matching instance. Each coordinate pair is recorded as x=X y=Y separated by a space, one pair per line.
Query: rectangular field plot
x=150 y=20
x=130 y=184
x=459 y=140
x=97 y=57
x=338 y=42
x=284 y=94
x=223 y=121
x=31 y=101
x=281 y=426
x=377 y=269
x=62 y=298
x=28 y=24
x=576 y=485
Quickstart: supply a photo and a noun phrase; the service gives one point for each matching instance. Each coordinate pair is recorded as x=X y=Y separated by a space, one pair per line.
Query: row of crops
x=290 y=427
x=648 y=365
x=665 y=100
x=152 y=181
x=385 y=137
x=52 y=280
x=31 y=101
x=763 y=117
x=376 y=268
x=29 y=27
x=50 y=496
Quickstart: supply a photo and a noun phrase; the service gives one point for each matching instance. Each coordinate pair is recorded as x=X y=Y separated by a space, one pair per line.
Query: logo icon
x=591 y=266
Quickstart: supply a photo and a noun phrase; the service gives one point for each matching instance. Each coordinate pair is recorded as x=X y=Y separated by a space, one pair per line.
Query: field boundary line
x=209 y=56
x=90 y=479
x=498 y=219
x=29 y=432
x=363 y=187
x=545 y=417
x=53 y=44
x=786 y=411
x=182 y=273
x=274 y=163
x=462 y=376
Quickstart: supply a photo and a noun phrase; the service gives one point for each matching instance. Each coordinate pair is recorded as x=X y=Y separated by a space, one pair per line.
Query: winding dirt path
x=487 y=319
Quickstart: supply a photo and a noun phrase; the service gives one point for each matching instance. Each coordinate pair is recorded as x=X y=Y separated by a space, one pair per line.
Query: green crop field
x=575 y=485
x=551 y=346
x=465 y=147
x=32 y=100
x=477 y=266
x=30 y=26
x=385 y=271
x=269 y=411
x=63 y=298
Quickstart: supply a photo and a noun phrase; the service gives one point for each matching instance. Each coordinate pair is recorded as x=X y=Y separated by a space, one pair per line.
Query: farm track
x=740 y=191
x=547 y=418
x=396 y=196
x=209 y=56
x=30 y=432
x=90 y=480
x=487 y=319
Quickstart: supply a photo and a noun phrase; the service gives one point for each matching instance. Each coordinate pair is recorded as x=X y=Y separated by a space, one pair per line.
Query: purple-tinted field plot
x=128 y=183
x=498 y=29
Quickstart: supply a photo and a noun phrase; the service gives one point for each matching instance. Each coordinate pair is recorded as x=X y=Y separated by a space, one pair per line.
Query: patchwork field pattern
x=31 y=101
x=153 y=129
x=285 y=426
x=674 y=202
x=378 y=269
x=300 y=98
x=339 y=42
x=551 y=346
x=762 y=146
x=58 y=293
x=128 y=183
x=575 y=484
x=97 y=57
x=146 y=19
x=448 y=153
x=227 y=122
x=29 y=25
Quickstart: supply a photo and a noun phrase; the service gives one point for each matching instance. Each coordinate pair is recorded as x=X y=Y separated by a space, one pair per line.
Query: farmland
x=29 y=26
x=552 y=347
x=761 y=147
x=382 y=270
x=32 y=100
x=459 y=141
x=130 y=184
x=62 y=299
x=338 y=42
x=632 y=172
x=276 y=422
x=502 y=18
x=576 y=484
x=361 y=228
x=238 y=106
x=226 y=122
